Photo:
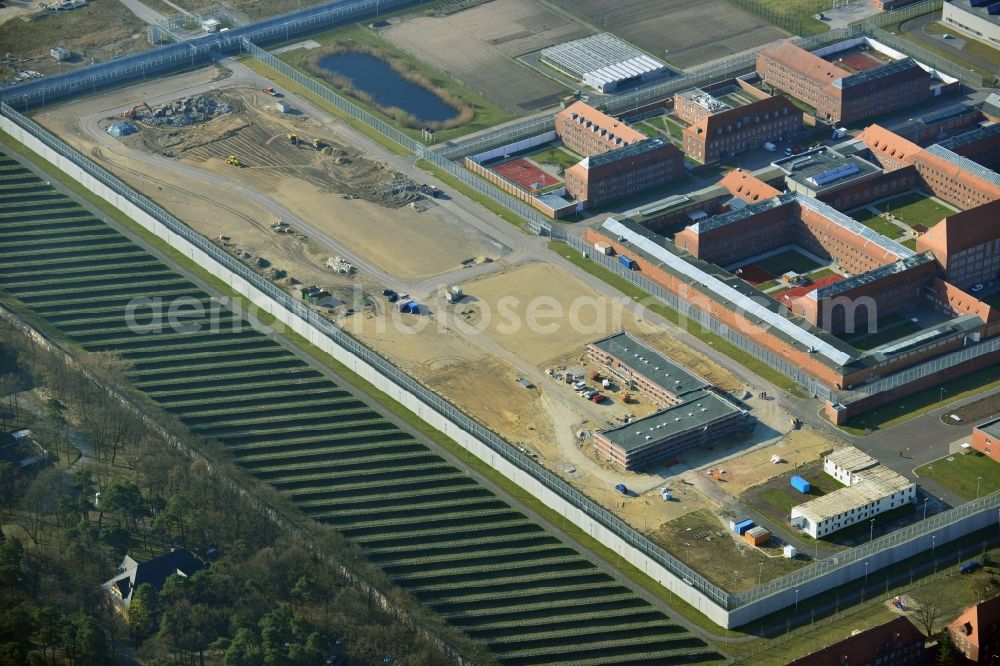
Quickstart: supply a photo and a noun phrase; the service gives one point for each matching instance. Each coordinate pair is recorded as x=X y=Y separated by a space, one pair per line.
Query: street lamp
x=760 y=573
x=866 y=574
x=796 y=601
x=978 y=479
x=926 y=499
x=871 y=532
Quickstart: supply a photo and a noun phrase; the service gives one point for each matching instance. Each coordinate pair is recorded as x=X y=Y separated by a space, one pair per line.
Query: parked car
x=977 y=287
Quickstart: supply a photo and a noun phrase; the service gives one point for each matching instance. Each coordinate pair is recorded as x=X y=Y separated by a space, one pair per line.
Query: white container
x=789 y=551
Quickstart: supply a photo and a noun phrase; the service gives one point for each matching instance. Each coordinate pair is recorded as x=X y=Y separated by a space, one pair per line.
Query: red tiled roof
x=962 y=230
x=803 y=62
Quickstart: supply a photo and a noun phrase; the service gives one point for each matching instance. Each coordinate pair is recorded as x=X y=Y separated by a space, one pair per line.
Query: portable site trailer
x=801 y=484
x=628 y=262
x=755 y=536
x=742 y=526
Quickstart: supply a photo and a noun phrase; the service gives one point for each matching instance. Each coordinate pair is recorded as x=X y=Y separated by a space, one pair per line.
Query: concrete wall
x=480 y=449
x=516 y=147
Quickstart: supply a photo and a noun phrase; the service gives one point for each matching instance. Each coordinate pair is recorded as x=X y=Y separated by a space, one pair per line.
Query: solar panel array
x=966 y=164
x=836 y=173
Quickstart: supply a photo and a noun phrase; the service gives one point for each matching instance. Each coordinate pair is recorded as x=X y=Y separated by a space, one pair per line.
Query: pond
x=387 y=88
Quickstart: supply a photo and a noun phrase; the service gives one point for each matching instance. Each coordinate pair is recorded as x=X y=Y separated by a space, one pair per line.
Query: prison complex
x=717 y=130
x=619 y=161
x=838 y=95
x=718 y=230
x=693 y=413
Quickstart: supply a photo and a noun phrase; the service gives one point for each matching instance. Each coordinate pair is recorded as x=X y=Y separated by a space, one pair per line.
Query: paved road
x=914 y=29
x=150 y=16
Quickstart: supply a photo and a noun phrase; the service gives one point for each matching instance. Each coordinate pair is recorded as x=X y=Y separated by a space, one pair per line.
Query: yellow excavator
x=235 y=161
x=293 y=138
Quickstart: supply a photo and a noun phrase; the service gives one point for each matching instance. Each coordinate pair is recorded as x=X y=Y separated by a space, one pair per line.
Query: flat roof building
x=820 y=172
x=604 y=62
x=978 y=19
x=986 y=439
x=870 y=489
x=641 y=367
x=703 y=416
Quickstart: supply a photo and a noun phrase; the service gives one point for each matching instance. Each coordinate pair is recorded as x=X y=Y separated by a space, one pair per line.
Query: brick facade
x=718 y=135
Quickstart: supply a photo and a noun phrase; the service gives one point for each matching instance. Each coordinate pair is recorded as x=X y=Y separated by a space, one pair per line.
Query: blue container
x=627 y=262
x=622 y=489
x=801 y=484
x=742 y=526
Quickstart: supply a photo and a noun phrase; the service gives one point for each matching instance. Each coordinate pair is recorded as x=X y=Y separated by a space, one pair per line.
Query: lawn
x=916 y=208
x=788 y=260
x=910 y=243
x=795 y=16
x=960 y=473
x=908 y=407
x=745 y=359
x=486 y=113
x=821 y=273
x=876 y=223
x=972 y=47
x=671 y=127
x=777 y=497
x=556 y=156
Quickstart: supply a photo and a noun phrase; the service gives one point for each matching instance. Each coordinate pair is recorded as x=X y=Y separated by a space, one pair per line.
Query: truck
x=839 y=133
x=628 y=262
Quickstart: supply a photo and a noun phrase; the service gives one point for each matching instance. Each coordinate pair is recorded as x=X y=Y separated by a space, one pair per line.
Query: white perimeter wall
x=516 y=147
x=382 y=383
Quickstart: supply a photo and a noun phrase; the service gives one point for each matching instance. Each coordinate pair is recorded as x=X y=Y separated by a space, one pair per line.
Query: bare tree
x=926 y=614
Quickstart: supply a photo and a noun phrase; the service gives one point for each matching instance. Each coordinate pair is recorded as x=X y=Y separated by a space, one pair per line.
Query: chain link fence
x=927 y=57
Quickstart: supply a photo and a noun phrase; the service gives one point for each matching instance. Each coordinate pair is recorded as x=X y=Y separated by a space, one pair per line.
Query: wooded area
x=279 y=590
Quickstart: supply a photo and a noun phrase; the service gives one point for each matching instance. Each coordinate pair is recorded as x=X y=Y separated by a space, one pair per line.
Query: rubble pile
x=184 y=111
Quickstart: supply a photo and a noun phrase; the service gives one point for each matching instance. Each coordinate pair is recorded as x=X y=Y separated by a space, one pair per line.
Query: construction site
x=307 y=209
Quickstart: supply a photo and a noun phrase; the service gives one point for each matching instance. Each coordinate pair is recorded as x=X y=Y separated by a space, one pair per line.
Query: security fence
x=702 y=317
x=899 y=15
x=535 y=222
x=927 y=57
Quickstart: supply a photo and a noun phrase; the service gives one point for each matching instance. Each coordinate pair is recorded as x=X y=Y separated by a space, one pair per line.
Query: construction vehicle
x=270 y=91
x=293 y=138
x=454 y=295
x=130 y=114
x=235 y=161
x=317 y=144
x=626 y=397
x=595 y=376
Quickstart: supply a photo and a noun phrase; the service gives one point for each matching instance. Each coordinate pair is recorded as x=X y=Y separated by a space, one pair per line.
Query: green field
x=876 y=223
x=788 y=260
x=959 y=473
x=486 y=113
x=795 y=16
x=556 y=156
x=916 y=208
x=884 y=335
x=460 y=549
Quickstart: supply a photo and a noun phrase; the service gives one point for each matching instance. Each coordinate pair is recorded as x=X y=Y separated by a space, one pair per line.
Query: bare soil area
x=478 y=47
x=754 y=467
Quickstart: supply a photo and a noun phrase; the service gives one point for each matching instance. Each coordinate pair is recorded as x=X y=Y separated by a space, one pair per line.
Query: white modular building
x=604 y=62
x=870 y=489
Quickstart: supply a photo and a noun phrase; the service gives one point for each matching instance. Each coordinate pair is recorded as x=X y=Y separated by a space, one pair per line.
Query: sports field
x=684 y=32
x=786 y=297
x=526 y=174
x=770 y=267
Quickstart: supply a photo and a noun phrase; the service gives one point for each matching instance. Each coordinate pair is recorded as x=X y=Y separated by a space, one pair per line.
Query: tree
x=244 y=650
x=126 y=502
x=926 y=614
x=91 y=642
x=948 y=654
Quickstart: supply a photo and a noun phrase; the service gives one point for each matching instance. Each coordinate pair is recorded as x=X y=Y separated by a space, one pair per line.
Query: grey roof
x=832 y=290
x=597 y=54
x=651 y=364
x=698 y=409
x=972 y=136
x=974 y=168
x=991 y=427
x=876 y=73
x=991 y=104
x=733 y=216
x=854 y=226
x=819 y=168
x=622 y=153
x=746 y=303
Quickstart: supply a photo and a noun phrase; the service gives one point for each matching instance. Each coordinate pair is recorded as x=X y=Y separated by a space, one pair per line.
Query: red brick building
x=838 y=95
x=986 y=439
x=950 y=176
x=967 y=245
x=895 y=643
x=587 y=131
x=976 y=632
x=623 y=172
x=725 y=133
